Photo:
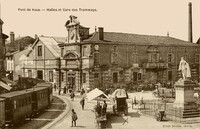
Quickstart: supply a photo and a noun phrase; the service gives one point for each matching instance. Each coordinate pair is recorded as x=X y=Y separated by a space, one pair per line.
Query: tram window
x=22 y=102
x=29 y=100
x=15 y=104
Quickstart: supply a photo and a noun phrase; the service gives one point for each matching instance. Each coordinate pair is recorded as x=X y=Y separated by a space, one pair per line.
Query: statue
x=184 y=68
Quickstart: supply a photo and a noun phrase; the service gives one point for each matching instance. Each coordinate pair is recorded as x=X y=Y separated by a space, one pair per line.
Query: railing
x=171 y=112
x=150 y=65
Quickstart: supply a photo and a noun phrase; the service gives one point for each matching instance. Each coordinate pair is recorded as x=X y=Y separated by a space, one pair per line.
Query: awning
x=8 y=81
x=120 y=93
x=5 y=86
x=95 y=93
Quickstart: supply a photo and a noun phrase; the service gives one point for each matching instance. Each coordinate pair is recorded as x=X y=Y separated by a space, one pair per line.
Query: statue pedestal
x=185 y=94
x=185 y=108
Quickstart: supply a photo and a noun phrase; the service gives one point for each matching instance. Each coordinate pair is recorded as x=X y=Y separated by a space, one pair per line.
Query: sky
x=146 y=17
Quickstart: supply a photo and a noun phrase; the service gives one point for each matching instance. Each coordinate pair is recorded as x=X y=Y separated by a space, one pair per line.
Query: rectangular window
x=96 y=75
x=96 y=58
x=39 y=50
x=169 y=75
x=39 y=74
x=197 y=56
x=139 y=76
x=84 y=77
x=30 y=73
x=62 y=76
x=135 y=76
x=84 y=51
x=51 y=76
x=169 y=58
x=115 y=77
x=62 y=52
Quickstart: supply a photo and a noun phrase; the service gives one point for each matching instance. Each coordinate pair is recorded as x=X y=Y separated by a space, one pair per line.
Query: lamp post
x=59 y=74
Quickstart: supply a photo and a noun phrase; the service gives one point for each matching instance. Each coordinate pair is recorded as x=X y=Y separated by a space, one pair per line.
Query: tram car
x=40 y=99
x=18 y=105
x=50 y=89
x=2 y=112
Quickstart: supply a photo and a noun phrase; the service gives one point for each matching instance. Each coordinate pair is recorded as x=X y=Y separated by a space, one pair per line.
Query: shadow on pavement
x=79 y=126
x=134 y=114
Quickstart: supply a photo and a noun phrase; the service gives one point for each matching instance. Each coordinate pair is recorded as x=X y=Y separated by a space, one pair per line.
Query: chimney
x=12 y=37
x=100 y=33
x=36 y=36
x=190 y=22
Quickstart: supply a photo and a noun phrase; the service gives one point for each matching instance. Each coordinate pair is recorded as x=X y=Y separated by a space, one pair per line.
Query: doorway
x=40 y=74
x=71 y=80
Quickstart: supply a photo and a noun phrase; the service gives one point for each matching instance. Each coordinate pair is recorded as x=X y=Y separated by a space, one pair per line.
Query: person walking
x=82 y=102
x=72 y=95
x=74 y=118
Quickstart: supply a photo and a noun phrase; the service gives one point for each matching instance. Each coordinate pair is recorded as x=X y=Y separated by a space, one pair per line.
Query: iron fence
x=172 y=112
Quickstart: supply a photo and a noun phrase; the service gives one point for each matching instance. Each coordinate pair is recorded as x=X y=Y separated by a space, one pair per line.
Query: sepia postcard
x=98 y=64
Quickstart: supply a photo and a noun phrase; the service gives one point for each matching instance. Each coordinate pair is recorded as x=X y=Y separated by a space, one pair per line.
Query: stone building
x=14 y=48
x=3 y=83
x=3 y=37
x=102 y=59
x=107 y=58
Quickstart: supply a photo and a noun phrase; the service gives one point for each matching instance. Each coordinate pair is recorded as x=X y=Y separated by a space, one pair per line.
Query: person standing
x=65 y=90
x=59 y=90
x=99 y=109
x=54 y=86
x=82 y=102
x=74 y=117
x=104 y=108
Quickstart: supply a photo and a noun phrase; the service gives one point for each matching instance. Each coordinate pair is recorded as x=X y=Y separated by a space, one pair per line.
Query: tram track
x=61 y=117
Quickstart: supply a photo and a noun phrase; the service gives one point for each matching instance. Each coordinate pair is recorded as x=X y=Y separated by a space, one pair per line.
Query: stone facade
x=108 y=58
x=3 y=37
x=103 y=59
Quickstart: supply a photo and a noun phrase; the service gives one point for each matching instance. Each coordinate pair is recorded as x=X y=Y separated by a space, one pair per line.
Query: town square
x=99 y=65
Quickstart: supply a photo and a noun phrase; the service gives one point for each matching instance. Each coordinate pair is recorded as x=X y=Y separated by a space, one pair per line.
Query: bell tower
x=76 y=32
x=72 y=29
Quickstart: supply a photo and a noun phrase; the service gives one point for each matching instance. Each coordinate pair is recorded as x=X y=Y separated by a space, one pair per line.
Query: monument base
x=184 y=105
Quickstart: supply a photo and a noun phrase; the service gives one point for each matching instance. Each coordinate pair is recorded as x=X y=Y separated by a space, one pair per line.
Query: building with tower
x=103 y=59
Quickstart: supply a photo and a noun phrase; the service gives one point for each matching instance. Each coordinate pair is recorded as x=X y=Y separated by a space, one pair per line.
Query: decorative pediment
x=153 y=49
x=71 y=55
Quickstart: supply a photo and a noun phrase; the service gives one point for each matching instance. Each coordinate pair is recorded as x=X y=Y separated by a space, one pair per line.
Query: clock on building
x=96 y=47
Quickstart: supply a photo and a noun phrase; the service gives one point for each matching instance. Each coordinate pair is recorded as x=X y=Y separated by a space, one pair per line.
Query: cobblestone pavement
x=135 y=120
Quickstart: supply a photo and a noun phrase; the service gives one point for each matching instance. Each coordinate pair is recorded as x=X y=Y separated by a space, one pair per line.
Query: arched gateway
x=71 y=66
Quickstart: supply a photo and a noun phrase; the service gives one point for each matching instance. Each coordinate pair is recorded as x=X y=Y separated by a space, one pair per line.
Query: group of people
x=101 y=110
x=82 y=103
